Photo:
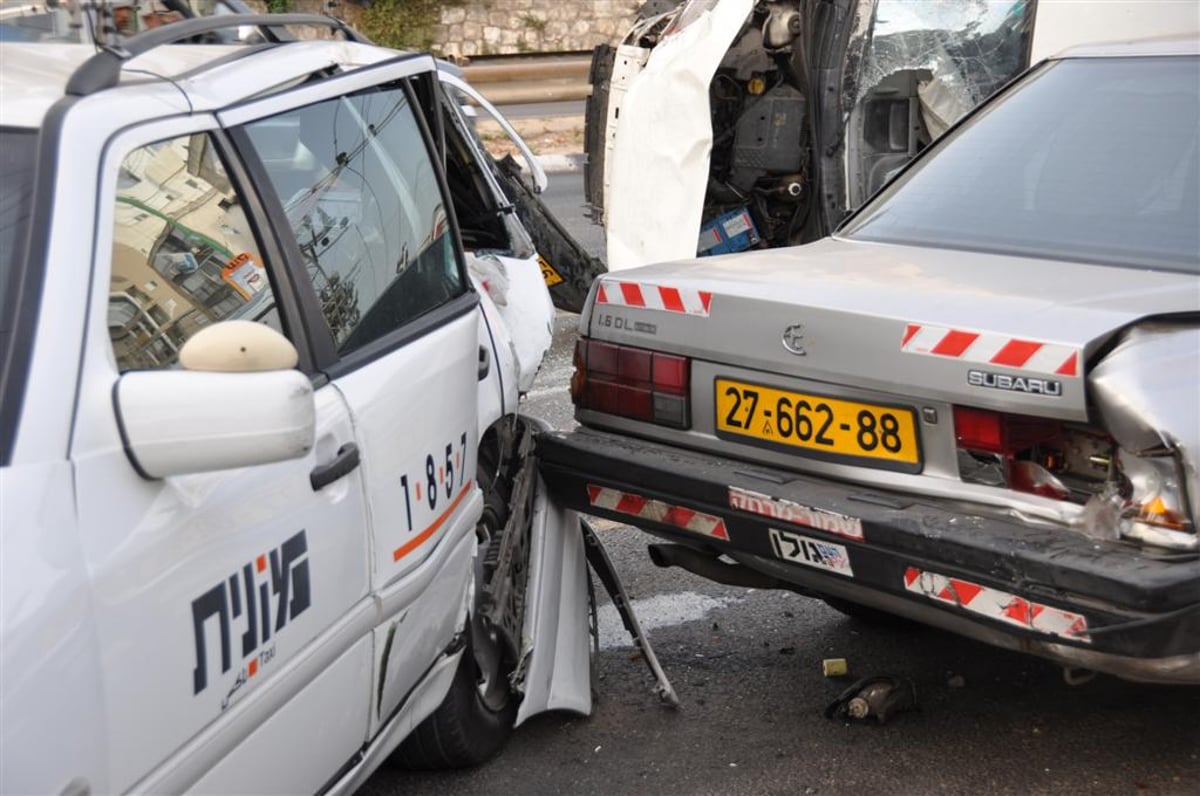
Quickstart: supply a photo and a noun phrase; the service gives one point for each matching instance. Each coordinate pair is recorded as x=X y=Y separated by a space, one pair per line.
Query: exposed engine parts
x=760 y=155
x=782 y=26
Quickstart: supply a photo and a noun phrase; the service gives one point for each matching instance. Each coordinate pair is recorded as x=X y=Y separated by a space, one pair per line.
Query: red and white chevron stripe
x=996 y=604
x=648 y=509
x=654 y=297
x=991 y=349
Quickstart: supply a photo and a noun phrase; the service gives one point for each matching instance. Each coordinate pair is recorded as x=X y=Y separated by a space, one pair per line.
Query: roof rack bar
x=103 y=70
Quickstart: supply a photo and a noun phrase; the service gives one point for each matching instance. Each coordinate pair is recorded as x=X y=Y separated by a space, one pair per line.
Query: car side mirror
x=236 y=402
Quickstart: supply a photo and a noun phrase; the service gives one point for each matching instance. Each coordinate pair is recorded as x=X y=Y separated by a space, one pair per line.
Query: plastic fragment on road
x=834 y=667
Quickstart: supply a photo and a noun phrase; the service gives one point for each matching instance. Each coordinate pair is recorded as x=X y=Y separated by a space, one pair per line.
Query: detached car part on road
x=267 y=502
x=976 y=406
x=723 y=125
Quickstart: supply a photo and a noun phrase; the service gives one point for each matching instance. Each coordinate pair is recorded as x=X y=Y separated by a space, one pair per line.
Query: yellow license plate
x=817 y=423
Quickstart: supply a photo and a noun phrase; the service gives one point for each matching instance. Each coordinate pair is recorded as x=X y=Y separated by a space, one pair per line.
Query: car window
x=183 y=257
x=362 y=197
x=17 y=148
x=1090 y=159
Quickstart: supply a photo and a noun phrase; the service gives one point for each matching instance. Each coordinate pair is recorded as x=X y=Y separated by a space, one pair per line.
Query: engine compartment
x=760 y=164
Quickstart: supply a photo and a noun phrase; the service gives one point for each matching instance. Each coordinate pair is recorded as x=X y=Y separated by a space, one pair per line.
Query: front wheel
x=465 y=730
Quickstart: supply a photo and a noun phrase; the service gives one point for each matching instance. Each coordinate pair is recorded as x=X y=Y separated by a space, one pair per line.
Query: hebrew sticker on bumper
x=811 y=552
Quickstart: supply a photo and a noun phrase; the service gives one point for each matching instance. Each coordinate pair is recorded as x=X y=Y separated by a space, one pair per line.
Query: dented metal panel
x=659 y=164
x=1144 y=392
x=555 y=674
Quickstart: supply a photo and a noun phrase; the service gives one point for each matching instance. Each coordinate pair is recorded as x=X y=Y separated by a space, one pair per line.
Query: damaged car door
x=506 y=198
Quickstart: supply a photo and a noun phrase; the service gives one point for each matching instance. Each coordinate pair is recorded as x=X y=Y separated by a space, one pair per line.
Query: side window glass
x=183 y=256
x=362 y=198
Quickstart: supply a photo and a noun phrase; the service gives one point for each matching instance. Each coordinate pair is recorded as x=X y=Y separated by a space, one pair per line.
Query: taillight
x=632 y=382
x=1141 y=497
x=978 y=430
x=1016 y=451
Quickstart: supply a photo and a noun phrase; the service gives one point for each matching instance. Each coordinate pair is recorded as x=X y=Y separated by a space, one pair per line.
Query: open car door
x=566 y=266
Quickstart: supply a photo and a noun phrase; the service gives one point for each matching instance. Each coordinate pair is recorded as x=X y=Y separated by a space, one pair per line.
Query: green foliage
x=534 y=24
x=404 y=24
x=279 y=6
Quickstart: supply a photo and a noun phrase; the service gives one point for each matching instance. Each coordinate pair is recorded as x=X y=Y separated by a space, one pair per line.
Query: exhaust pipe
x=709 y=566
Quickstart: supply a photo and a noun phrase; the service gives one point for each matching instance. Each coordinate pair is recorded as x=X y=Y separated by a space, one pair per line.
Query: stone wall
x=501 y=27
x=494 y=27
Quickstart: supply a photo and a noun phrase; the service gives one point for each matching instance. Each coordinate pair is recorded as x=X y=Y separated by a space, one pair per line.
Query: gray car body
x=855 y=300
x=1136 y=331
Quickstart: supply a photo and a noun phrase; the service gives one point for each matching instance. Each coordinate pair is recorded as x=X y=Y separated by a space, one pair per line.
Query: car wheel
x=476 y=717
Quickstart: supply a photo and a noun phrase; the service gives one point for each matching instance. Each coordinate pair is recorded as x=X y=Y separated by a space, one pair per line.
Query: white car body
x=657 y=133
x=121 y=594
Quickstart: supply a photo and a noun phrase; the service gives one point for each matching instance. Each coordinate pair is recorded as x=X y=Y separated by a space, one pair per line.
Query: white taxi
x=266 y=502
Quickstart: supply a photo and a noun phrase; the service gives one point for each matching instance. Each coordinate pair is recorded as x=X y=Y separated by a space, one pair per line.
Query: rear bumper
x=1043 y=590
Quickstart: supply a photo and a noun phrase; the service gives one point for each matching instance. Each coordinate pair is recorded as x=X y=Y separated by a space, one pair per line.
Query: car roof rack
x=103 y=70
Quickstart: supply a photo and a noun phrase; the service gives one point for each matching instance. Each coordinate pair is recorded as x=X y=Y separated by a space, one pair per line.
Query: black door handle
x=485 y=363
x=342 y=465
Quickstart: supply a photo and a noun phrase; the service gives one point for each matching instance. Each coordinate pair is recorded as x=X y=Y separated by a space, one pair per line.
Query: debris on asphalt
x=834 y=667
x=879 y=697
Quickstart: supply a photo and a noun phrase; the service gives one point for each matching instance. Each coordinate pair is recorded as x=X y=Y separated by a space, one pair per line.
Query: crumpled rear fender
x=1147 y=395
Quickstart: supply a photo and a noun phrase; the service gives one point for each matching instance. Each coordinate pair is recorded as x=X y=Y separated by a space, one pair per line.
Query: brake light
x=632 y=382
x=1015 y=451
x=977 y=430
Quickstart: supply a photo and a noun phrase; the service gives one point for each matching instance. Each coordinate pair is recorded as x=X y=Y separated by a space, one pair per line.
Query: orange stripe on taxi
x=423 y=536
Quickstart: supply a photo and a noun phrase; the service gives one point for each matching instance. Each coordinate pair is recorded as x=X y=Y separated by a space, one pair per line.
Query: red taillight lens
x=978 y=430
x=1024 y=447
x=631 y=382
x=1027 y=476
x=671 y=374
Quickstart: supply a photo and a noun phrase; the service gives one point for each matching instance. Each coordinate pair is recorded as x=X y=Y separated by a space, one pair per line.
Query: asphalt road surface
x=747 y=668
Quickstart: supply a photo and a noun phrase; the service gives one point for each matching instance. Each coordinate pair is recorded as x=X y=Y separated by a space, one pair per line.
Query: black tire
x=474 y=720
x=463 y=731
x=865 y=614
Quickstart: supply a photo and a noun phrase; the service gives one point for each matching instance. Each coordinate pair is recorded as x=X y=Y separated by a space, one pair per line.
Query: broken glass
x=969 y=48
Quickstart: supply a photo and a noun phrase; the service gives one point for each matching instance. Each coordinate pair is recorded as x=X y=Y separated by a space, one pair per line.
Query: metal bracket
x=506 y=560
x=597 y=556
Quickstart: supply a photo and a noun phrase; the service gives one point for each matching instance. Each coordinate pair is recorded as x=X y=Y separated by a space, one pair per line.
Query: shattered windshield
x=922 y=67
x=970 y=48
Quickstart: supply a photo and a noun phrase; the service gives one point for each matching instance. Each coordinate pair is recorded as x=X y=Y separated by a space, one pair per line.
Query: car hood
x=901 y=319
